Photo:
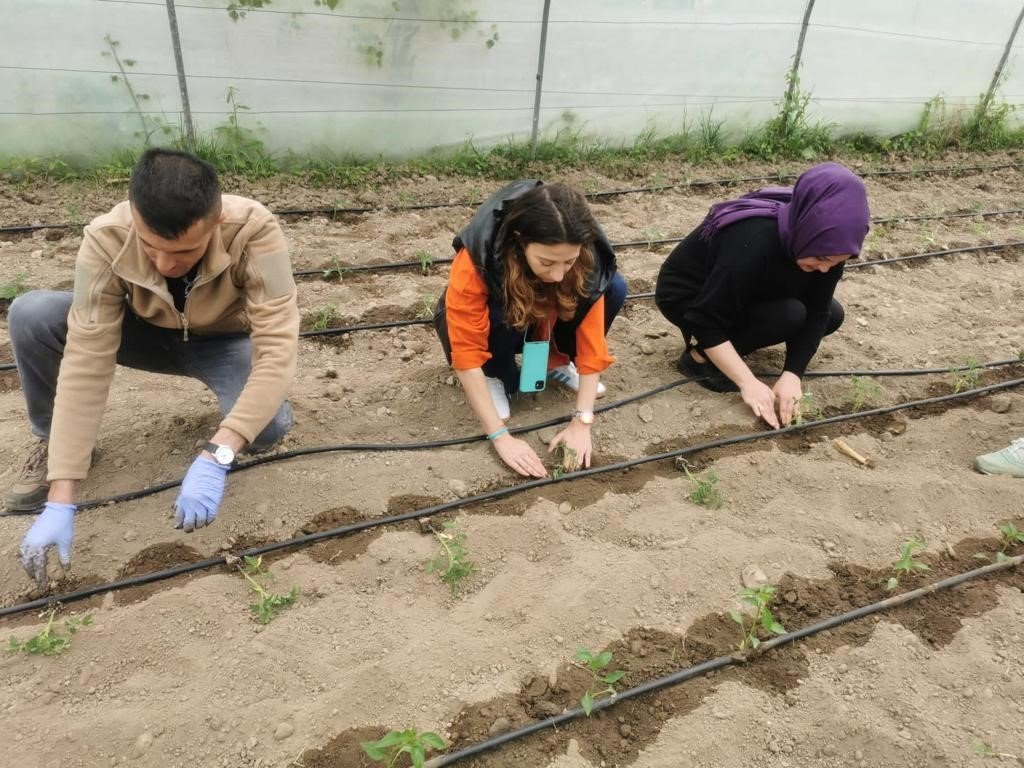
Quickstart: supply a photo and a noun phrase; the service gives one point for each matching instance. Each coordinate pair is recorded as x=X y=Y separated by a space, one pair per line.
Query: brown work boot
x=30 y=489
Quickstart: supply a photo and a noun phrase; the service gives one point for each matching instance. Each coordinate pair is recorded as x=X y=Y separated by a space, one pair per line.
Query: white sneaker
x=570 y=377
x=498 y=397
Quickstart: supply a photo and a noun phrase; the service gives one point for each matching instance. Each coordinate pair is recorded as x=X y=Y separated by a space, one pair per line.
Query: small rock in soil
x=565 y=507
x=646 y=414
x=457 y=487
x=752 y=576
x=142 y=745
x=548 y=708
x=283 y=731
x=1000 y=403
x=625 y=730
x=646 y=348
x=500 y=725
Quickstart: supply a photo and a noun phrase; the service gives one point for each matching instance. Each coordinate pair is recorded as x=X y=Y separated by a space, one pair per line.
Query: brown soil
x=178 y=674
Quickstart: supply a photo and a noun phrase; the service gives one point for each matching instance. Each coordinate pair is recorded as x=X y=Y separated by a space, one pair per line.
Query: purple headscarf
x=824 y=214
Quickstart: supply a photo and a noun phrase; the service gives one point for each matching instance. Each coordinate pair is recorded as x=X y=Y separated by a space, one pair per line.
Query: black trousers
x=765 y=324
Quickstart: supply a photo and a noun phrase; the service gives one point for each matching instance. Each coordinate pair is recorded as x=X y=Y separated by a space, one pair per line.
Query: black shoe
x=705 y=374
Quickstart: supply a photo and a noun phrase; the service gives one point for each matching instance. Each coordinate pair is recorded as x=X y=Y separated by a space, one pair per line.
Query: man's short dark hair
x=172 y=190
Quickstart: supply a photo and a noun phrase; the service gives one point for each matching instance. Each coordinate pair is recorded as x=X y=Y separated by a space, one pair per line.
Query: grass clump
x=49 y=641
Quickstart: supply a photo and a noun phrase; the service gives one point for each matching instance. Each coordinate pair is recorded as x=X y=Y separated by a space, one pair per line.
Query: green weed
x=13 y=287
x=268 y=605
x=397 y=743
x=969 y=377
x=451 y=561
x=596 y=665
x=704 y=488
x=760 y=599
x=907 y=563
x=49 y=641
x=863 y=391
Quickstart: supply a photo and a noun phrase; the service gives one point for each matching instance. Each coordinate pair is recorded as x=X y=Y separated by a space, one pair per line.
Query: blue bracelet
x=497 y=433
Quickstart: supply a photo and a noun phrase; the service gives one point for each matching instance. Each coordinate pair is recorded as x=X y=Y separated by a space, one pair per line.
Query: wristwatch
x=585 y=417
x=222 y=454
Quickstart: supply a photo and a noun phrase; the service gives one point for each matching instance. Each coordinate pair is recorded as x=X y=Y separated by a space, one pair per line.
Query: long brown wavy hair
x=550 y=214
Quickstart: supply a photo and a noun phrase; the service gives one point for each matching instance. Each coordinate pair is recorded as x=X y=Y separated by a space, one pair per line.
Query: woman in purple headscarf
x=761 y=270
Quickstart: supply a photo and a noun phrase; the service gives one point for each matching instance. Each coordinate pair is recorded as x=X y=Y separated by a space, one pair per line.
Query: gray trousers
x=38 y=325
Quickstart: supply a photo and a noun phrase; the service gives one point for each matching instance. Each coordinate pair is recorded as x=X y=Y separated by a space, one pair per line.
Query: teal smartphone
x=533 y=375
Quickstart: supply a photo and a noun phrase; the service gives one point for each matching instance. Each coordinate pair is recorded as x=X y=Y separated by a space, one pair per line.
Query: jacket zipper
x=184 y=326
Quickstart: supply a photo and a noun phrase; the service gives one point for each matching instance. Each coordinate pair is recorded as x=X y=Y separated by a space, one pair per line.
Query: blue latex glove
x=54 y=527
x=201 y=494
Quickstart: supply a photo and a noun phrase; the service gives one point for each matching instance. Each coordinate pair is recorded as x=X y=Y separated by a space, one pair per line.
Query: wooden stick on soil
x=843 y=447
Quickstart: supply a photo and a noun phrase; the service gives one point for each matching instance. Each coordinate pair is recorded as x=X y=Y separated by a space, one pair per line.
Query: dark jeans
x=38 y=326
x=505 y=343
x=768 y=323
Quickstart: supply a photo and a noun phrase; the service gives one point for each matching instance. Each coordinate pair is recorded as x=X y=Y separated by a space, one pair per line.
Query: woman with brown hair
x=532 y=271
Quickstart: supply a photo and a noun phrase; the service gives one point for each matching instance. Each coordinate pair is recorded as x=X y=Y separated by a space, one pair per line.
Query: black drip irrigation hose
x=699 y=670
x=498 y=493
x=326 y=272
x=650 y=294
x=338 y=331
x=691 y=184
x=454 y=441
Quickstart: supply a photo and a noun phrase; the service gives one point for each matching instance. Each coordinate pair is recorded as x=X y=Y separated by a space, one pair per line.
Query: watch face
x=224 y=454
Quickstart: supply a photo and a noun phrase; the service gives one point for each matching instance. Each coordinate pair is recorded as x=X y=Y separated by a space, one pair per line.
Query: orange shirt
x=469 y=324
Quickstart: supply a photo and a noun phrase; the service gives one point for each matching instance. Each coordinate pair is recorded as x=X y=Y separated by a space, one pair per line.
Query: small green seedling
x=704 y=488
x=969 y=377
x=397 y=743
x=335 y=271
x=760 y=598
x=566 y=460
x=49 y=641
x=269 y=604
x=1012 y=536
x=808 y=410
x=862 y=391
x=595 y=664
x=986 y=750
x=322 y=318
x=451 y=561
x=13 y=288
x=907 y=563
x=426 y=260
x=650 y=235
x=428 y=302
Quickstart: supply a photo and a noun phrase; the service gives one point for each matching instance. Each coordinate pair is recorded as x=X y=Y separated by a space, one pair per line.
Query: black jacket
x=478 y=236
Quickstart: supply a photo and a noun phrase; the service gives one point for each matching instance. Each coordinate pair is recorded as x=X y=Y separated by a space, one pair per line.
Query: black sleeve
x=818 y=300
x=738 y=255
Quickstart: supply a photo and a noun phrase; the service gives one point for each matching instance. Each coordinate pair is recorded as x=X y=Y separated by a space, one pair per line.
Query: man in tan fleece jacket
x=182 y=280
